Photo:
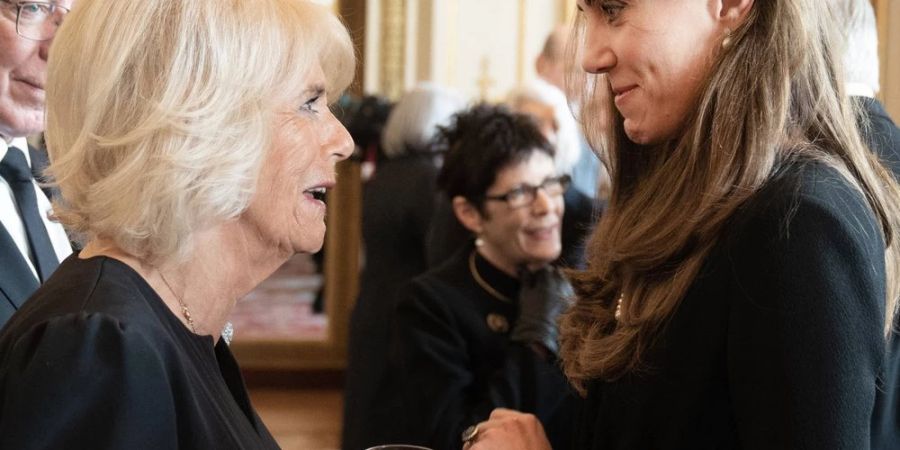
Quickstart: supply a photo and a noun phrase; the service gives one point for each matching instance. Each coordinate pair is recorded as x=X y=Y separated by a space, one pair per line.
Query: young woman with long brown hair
x=742 y=283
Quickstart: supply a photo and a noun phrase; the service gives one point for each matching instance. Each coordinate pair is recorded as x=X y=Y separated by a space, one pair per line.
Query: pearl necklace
x=618 y=314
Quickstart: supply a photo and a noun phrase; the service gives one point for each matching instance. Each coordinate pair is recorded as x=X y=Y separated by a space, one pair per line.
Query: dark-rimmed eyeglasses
x=37 y=21
x=525 y=194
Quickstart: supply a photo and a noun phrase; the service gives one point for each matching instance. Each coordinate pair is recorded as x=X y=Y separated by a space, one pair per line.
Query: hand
x=545 y=294
x=508 y=429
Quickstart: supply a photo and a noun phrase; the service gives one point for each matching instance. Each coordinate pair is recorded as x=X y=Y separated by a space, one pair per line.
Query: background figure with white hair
x=547 y=105
x=882 y=137
x=588 y=174
x=398 y=203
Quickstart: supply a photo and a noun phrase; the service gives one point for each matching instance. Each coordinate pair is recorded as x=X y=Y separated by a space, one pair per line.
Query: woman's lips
x=623 y=94
x=542 y=233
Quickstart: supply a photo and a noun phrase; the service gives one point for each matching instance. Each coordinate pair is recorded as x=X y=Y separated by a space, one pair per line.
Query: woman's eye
x=515 y=195
x=611 y=10
x=310 y=104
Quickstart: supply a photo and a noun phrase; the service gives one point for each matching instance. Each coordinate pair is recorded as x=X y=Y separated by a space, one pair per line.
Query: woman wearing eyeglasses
x=479 y=331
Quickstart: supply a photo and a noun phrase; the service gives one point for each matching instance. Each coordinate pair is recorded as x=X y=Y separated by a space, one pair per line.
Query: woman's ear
x=467 y=214
x=732 y=13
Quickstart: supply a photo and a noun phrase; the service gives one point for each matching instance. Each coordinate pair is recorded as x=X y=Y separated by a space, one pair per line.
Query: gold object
x=484 y=285
x=497 y=323
x=184 y=309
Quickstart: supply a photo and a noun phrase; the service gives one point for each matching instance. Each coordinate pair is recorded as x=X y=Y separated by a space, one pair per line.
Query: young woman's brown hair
x=774 y=95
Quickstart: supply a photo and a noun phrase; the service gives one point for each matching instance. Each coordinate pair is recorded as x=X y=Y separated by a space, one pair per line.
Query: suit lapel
x=17 y=282
x=39 y=162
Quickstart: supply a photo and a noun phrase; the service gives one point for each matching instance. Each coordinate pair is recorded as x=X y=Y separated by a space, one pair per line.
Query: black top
x=396 y=209
x=96 y=360
x=452 y=361
x=778 y=343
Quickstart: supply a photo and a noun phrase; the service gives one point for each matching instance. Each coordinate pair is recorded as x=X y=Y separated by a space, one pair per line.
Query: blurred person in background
x=398 y=202
x=479 y=331
x=547 y=105
x=551 y=65
x=192 y=145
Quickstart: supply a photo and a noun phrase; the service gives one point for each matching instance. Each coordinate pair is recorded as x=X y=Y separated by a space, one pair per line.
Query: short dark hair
x=479 y=143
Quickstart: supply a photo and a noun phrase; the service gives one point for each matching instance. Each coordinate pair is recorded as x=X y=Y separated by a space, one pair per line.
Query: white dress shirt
x=9 y=213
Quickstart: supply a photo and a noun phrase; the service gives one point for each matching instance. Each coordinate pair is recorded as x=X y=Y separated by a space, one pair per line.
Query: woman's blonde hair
x=775 y=94
x=160 y=112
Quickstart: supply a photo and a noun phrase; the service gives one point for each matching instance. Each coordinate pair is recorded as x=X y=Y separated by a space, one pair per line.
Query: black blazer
x=17 y=282
x=778 y=344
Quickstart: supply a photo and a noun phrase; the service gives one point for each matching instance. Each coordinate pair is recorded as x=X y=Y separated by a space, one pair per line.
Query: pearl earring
x=726 y=42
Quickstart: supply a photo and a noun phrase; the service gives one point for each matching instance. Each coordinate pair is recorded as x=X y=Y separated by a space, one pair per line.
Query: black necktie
x=14 y=168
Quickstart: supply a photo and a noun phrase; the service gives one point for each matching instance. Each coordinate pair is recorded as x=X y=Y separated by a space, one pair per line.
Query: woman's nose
x=339 y=144
x=541 y=203
x=597 y=54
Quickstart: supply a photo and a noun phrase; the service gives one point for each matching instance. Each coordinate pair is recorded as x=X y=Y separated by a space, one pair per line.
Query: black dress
x=95 y=360
x=452 y=361
x=778 y=343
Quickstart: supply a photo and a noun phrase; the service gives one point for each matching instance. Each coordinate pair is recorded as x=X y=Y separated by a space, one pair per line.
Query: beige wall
x=450 y=41
x=888 y=12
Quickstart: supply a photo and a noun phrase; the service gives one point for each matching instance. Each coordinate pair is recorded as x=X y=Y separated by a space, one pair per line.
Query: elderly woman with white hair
x=548 y=106
x=398 y=202
x=192 y=143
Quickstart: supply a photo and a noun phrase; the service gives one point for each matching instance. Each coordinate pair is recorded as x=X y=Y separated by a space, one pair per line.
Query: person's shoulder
x=438 y=285
x=99 y=289
x=803 y=189
x=78 y=341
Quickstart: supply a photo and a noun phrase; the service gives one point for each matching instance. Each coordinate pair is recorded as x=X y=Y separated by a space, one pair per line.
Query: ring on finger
x=470 y=434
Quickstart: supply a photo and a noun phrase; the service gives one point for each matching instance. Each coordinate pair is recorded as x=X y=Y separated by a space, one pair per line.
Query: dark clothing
x=778 y=343
x=95 y=360
x=452 y=361
x=879 y=132
x=446 y=235
x=17 y=282
x=579 y=218
x=397 y=207
x=883 y=138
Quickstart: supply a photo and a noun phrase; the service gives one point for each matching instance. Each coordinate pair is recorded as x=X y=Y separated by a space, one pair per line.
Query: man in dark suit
x=31 y=245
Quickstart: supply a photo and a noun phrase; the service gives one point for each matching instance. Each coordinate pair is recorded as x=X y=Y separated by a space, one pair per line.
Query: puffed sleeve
x=437 y=396
x=805 y=344
x=85 y=381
